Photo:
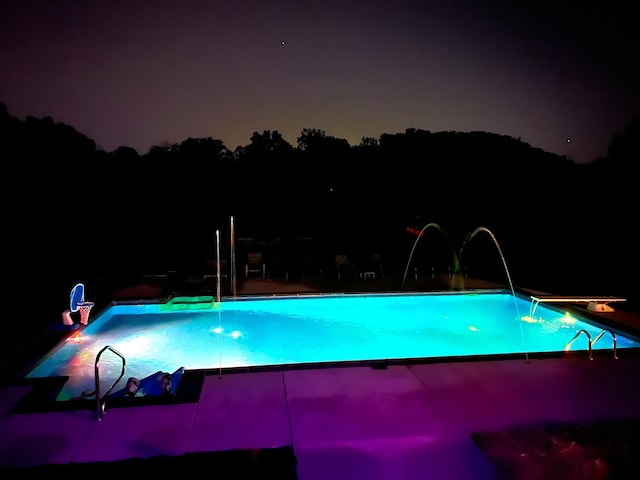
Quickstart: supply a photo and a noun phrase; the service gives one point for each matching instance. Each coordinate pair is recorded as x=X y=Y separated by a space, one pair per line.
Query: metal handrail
x=615 y=341
x=101 y=403
x=568 y=345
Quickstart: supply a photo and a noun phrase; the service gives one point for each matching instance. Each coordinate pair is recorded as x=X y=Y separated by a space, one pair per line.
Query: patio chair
x=278 y=266
x=309 y=265
x=345 y=268
x=371 y=266
x=211 y=268
x=255 y=264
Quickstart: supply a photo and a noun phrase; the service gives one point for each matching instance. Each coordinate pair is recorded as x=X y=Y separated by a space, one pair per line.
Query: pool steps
x=592 y=342
x=100 y=400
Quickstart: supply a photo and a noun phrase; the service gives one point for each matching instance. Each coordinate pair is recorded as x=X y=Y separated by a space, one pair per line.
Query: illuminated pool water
x=279 y=331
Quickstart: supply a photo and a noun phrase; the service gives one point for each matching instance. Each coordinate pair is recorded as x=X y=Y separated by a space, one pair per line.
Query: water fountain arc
x=471 y=235
x=456 y=263
x=457 y=259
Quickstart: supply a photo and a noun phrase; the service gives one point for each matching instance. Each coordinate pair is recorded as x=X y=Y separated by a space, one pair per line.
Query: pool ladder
x=592 y=343
x=101 y=402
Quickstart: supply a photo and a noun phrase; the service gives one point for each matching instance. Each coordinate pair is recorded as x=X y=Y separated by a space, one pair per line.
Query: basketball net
x=85 y=308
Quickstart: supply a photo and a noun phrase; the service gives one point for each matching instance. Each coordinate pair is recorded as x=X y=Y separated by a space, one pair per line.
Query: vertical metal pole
x=97 y=380
x=218 y=266
x=233 y=257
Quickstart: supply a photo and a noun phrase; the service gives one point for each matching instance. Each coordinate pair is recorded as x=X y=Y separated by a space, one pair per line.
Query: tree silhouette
x=562 y=226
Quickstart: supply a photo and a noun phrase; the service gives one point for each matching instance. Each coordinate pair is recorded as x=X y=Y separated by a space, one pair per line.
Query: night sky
x=562 y=76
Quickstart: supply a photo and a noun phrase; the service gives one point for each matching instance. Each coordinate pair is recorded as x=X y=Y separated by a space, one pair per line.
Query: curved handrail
x=568 y=345
x=615 y=341
x=100 y=403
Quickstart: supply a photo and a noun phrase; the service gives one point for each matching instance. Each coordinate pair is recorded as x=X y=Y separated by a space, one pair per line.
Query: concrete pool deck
x=430 y=420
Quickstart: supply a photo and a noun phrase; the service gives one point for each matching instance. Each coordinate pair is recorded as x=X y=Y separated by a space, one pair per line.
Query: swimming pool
x=312 y=330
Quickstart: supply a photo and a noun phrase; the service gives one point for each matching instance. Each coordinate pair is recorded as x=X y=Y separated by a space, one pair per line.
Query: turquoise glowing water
x=277 y=331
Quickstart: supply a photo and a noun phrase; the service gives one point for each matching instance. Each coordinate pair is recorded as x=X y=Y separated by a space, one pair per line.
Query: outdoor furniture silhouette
x=278 y=266
x=255 y=264
x=345 y=268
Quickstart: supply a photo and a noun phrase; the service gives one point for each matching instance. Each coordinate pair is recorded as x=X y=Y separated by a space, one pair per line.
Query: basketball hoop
x=85 y=309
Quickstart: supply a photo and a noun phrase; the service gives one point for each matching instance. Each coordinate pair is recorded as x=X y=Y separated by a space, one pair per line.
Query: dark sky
x=562 y=75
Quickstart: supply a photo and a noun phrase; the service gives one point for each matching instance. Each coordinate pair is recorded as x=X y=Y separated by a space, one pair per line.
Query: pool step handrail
x=613 y=336
x=101 y=402
x=568 y=345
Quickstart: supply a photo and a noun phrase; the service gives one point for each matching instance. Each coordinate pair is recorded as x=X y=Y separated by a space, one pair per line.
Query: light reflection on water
x=295 y=330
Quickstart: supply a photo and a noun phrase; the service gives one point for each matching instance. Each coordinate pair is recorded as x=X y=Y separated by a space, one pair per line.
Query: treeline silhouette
x=74 y=211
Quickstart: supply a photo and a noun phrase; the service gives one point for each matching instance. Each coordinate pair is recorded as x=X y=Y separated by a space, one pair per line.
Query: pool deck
x=453 y=420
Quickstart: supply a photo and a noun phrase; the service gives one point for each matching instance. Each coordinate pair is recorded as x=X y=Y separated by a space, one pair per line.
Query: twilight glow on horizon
x=561 y=77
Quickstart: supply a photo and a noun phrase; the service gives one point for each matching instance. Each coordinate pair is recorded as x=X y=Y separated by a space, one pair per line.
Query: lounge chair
x=152 y=385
